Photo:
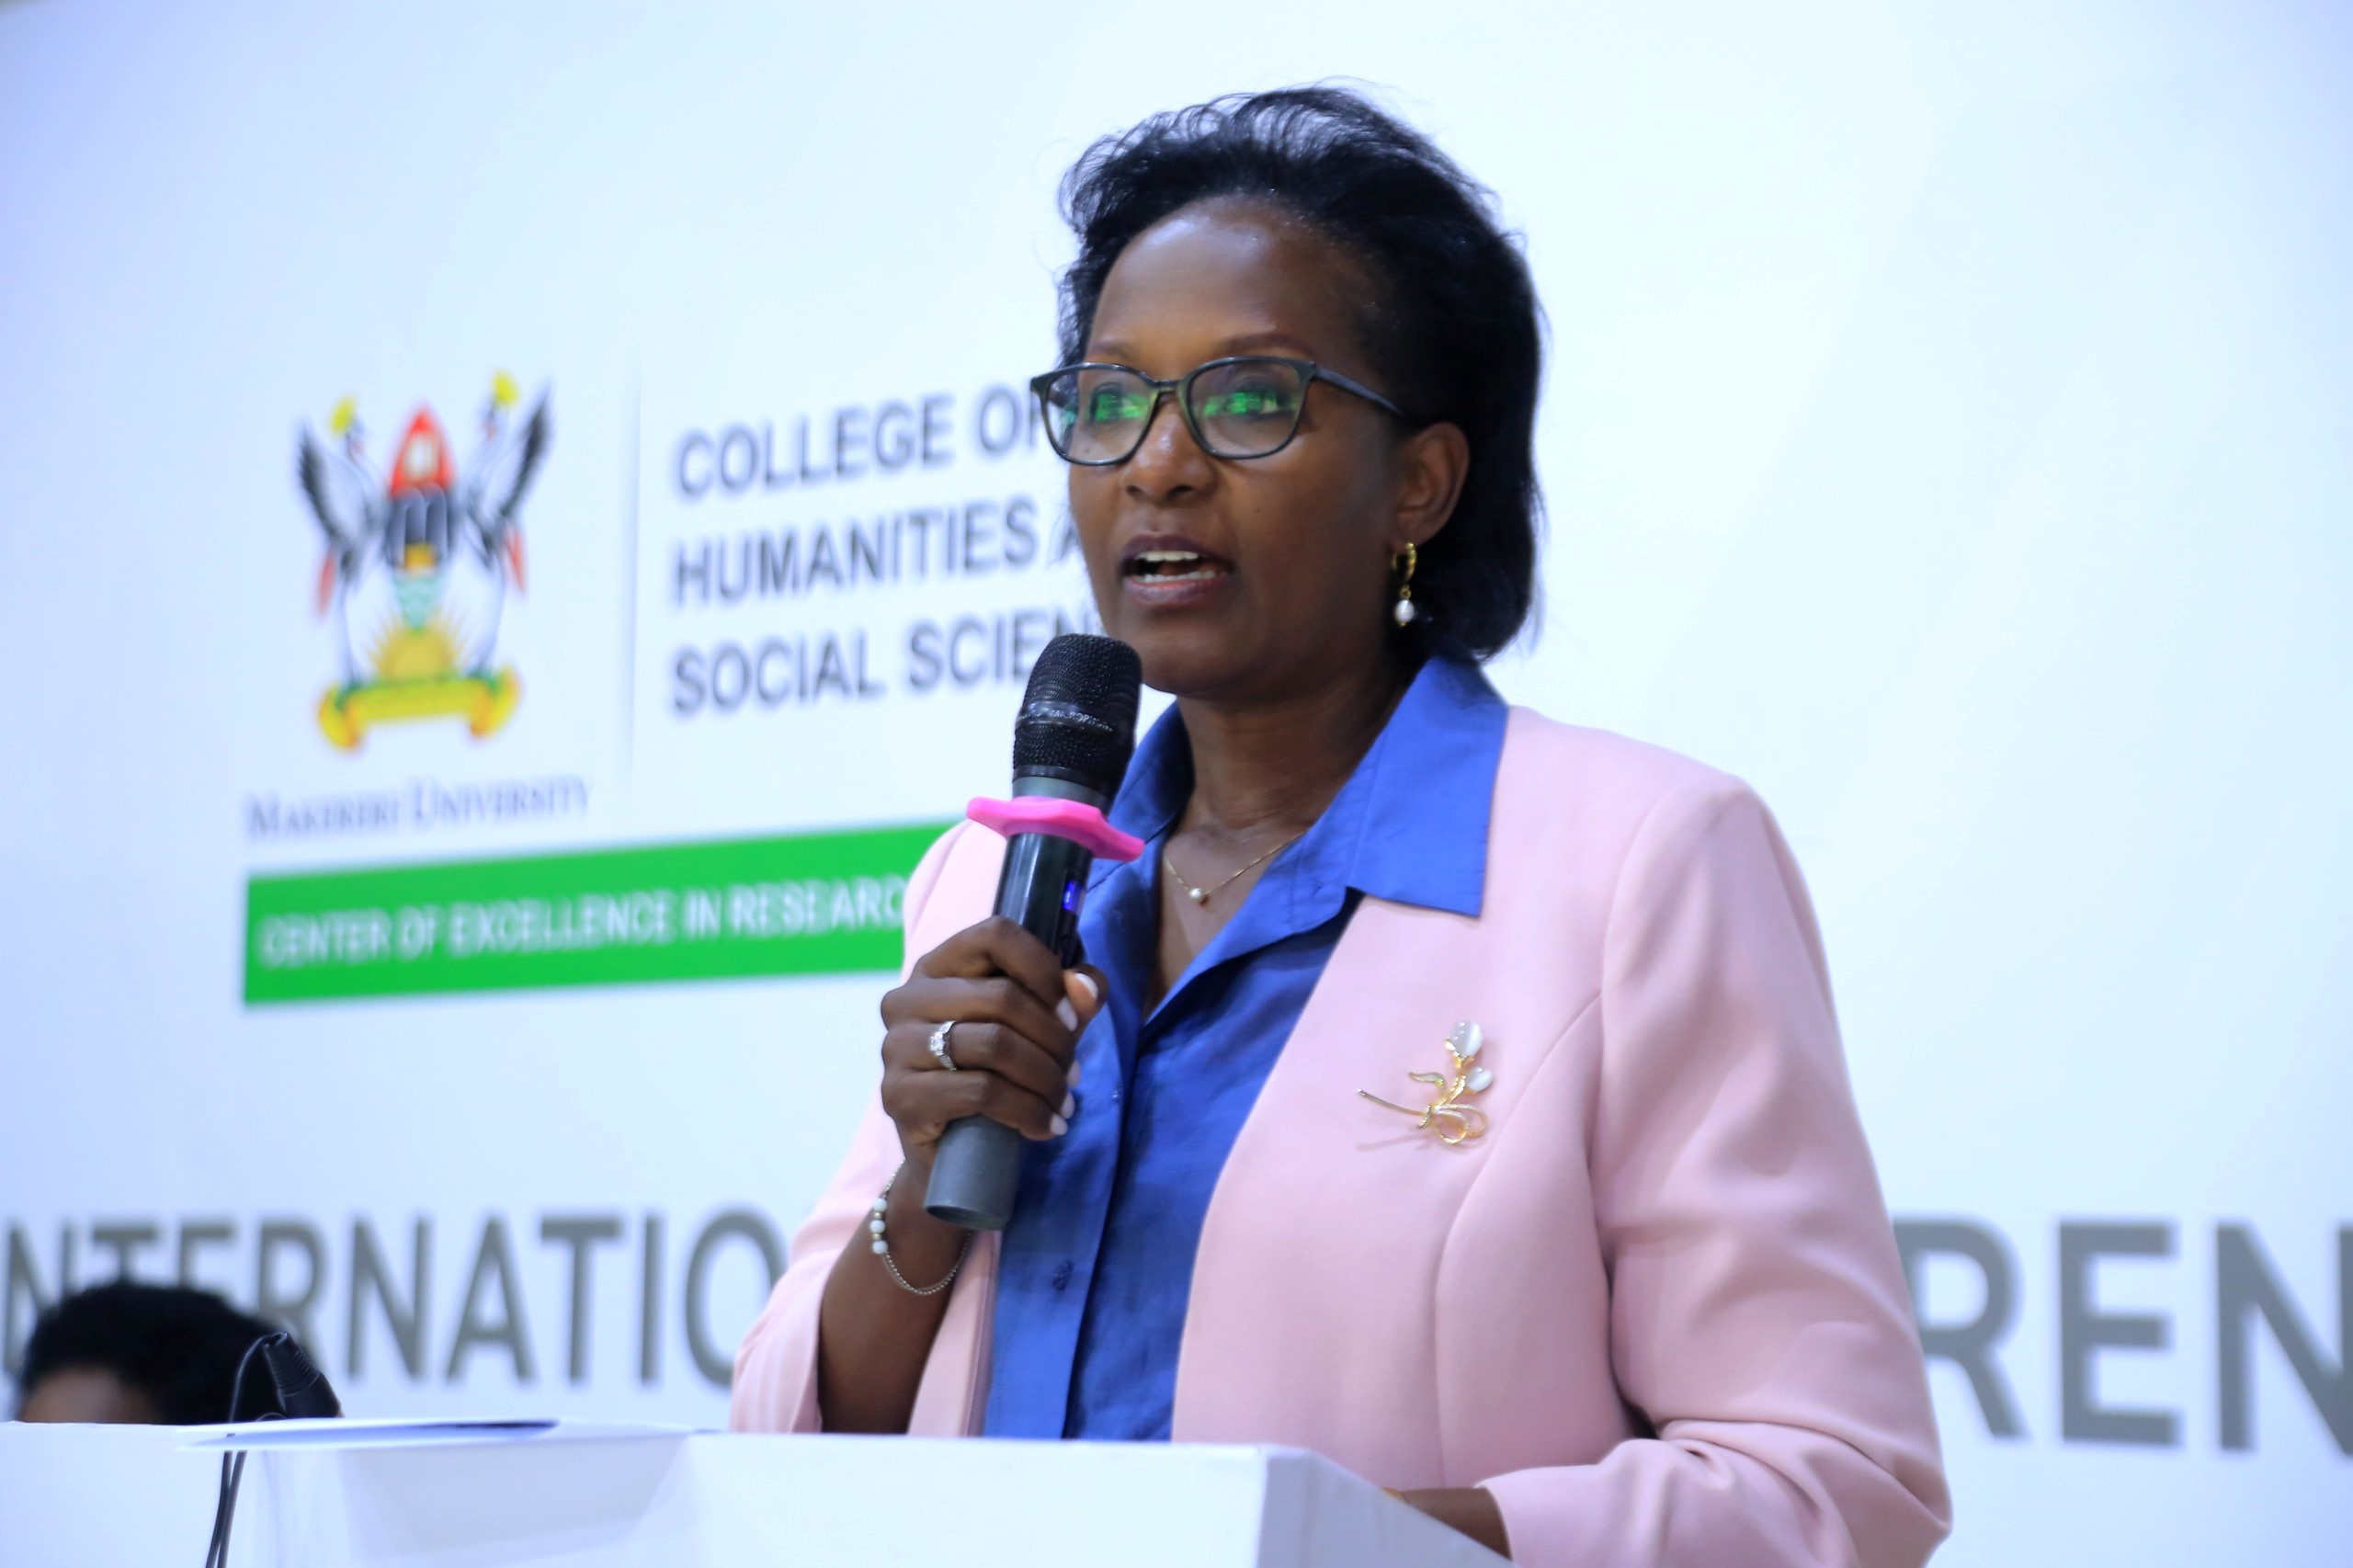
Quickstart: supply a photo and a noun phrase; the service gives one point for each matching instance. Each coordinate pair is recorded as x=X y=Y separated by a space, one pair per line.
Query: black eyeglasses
x=1247 y=406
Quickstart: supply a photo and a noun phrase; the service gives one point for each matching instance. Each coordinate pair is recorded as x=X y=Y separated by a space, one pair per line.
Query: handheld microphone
x=1070 y=744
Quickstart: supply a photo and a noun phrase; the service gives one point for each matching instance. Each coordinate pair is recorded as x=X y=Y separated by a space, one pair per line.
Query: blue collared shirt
x=1098 y=1265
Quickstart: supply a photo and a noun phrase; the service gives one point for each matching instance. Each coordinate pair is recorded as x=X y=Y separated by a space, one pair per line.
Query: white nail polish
x=1070 y=1106
x=1060 y=1127
x=1094 y=992
x=1066 y=1013
x=1073 y=1074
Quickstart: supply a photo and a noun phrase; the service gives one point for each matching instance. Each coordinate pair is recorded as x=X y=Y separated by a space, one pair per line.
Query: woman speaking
x=1450 y=1091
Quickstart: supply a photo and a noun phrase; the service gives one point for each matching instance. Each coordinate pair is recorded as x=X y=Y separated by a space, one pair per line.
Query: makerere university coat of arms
x=418 y=564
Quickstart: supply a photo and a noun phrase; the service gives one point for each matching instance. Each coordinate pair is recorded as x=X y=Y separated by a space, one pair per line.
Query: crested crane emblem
x=418 y=561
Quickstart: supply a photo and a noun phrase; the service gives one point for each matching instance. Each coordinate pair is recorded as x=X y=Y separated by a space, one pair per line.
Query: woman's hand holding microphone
x=1012 y=1016
x=1008 y=1017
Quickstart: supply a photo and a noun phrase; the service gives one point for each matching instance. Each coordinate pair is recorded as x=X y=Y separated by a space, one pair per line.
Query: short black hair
x=1454 y=332
x=177 y=1346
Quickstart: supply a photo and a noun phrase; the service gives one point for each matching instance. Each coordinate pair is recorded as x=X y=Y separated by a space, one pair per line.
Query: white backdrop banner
x=521 y=522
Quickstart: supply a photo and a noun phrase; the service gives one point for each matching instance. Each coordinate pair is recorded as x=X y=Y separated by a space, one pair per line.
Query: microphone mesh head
x=1078 y=717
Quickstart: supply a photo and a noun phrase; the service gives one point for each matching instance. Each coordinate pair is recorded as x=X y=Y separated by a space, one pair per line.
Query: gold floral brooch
x=1454 y=1121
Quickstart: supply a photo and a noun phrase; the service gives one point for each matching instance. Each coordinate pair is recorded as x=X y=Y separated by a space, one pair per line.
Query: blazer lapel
x=1314 y=1340
x=1315 y=1312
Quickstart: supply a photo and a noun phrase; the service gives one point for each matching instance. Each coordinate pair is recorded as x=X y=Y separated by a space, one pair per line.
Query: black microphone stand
x=300 y=1390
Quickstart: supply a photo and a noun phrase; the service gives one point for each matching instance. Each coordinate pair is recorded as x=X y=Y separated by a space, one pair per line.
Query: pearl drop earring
x=1402 y=612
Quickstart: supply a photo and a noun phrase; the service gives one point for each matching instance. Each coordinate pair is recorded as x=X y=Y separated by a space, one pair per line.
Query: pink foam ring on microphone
x=1082 y=824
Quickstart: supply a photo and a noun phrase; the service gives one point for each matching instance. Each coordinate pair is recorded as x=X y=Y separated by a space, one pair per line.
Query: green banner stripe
x=810 y=904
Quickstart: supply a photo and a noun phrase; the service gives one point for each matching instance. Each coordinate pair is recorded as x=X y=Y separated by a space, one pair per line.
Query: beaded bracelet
x=882 y=1246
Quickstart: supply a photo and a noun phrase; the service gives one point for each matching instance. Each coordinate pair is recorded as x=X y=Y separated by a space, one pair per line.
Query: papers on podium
x=345 y=1432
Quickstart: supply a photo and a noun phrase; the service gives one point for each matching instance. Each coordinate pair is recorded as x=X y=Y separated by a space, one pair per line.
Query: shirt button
x=1062 y=1275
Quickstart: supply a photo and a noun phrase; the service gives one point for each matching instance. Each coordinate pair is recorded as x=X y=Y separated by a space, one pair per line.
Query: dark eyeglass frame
x=1181 y=388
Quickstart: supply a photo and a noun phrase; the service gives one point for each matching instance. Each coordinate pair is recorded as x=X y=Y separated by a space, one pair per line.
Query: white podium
x=137 y=1495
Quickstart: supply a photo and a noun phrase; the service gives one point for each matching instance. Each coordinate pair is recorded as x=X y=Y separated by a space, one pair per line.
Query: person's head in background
x=159 y=1355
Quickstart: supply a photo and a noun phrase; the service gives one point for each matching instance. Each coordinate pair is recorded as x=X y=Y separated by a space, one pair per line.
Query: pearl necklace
x=1202 y=895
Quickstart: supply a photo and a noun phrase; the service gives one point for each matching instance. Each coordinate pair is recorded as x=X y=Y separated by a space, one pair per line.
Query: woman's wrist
x=922 y=1246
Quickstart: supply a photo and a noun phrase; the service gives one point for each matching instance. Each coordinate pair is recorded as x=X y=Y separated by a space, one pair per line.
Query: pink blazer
x=1657 y=1311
